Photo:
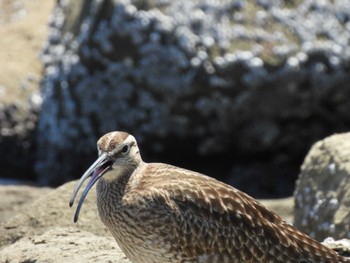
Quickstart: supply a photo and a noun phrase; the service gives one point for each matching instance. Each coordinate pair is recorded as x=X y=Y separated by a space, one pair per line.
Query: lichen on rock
x=322 y=196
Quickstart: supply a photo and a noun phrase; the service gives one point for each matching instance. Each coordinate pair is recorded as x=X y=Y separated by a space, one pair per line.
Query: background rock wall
x=237 y=84
x=23 y=30
x=235 y=89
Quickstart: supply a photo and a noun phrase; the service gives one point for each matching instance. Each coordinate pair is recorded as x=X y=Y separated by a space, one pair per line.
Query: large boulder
x=322 y=195
x=202 y=84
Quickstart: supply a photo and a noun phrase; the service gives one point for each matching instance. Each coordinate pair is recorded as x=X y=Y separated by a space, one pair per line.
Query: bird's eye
x=125 y=149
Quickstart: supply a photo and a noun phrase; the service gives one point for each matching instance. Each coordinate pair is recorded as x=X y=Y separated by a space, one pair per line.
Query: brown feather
x=160 y=213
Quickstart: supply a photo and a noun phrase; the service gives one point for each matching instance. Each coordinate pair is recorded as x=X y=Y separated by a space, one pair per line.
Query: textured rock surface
x=59 y=245
x=51 y=210
x=16 y=198
x=222 y=80
x=43 y=230
x=322 y=195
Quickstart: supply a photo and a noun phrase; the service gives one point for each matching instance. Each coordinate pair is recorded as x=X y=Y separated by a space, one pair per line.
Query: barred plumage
x=159 y=213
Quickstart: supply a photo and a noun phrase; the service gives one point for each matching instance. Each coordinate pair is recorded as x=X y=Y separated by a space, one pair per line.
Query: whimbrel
x=159 y=213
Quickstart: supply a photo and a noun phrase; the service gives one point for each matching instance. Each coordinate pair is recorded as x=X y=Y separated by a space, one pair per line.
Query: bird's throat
x=115 y=175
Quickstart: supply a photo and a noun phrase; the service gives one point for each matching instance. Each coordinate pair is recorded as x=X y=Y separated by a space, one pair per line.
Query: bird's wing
x=215 y=222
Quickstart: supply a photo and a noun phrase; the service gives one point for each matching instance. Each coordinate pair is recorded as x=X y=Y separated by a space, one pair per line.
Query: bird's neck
x=115 y=181
x=111 y=190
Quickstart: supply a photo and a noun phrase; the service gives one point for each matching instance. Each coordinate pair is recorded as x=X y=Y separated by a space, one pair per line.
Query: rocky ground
x=36 y=225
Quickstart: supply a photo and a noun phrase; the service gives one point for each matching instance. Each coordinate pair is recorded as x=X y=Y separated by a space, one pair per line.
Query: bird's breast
x=138 y=231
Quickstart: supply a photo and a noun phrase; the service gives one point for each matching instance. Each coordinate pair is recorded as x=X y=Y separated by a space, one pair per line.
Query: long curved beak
x=96 y=170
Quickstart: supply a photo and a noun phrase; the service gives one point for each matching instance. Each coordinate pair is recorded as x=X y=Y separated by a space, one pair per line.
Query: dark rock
x=18 y=122
x=193 y=81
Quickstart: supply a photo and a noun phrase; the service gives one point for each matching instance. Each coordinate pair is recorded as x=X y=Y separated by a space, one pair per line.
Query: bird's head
x=118 y=152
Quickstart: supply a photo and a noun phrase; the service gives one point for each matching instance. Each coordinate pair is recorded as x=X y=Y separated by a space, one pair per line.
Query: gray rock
x=341 y=246
x=229 y=79
x=322 y=195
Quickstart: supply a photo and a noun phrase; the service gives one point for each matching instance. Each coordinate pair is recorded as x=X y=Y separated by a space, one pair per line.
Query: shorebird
x=159 y=213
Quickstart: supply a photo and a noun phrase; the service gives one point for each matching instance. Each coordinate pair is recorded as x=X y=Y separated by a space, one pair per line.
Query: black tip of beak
x=71 y=203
